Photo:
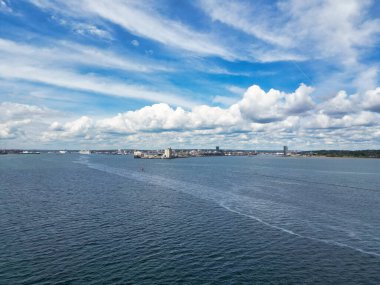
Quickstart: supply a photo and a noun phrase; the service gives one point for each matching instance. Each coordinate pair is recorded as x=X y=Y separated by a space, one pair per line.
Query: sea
x=112 y=219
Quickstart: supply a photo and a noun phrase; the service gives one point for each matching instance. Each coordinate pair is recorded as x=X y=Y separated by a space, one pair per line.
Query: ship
x=30 y=152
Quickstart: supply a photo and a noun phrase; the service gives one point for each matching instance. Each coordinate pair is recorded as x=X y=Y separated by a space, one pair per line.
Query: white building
x=137 y=154
x=168 y=153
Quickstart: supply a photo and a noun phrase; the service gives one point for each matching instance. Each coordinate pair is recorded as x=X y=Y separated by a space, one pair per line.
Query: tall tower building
x=168 y=153
x=285 y=150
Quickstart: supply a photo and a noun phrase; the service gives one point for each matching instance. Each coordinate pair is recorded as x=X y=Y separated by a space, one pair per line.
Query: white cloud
x=87 y=29
x=332 y=33
x=78 y=127
x=259 y=118
x=236 y=89
x=339 y=104
x=266 y=55
x=161 y=117
x=323 y=121
x=371 y=100
x=135 y=43
x=73 y=54
x=82 y=128
x=16 y=118
x=5 y=7
x=13 y=111
x=35 y=64
x=84 y=29
x=140 y=19
x=274 y=105
x=365 y=77
x=338 y=34
x=342 y=103
x=298 y=29
x=266 y=118
x=299 y=101
x=89 y=83
x=241 y=16
x=11 y=129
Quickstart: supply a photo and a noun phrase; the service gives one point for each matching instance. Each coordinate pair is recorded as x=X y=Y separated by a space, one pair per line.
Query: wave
x=229 y=201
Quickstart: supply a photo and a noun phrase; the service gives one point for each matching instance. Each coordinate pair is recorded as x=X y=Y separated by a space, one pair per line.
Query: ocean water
x=99 y=219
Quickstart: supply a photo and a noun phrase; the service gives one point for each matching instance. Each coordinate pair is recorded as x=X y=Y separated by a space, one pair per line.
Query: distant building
x=217 y=148
x=285 y=150
x=168 y=153
x=137 y=154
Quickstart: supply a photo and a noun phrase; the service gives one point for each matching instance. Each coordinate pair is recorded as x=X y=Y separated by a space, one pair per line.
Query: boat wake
x=260 y=210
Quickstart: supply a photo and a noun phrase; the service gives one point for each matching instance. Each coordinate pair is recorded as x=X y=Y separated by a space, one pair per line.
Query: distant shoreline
x=344 y=153
x=182 y=153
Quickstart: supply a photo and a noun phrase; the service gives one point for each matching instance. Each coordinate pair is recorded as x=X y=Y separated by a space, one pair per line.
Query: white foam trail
x=261 y=221
x=299 y=235
x=210 y=194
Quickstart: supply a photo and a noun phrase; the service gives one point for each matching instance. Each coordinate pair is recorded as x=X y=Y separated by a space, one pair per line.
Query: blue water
x=97 y=219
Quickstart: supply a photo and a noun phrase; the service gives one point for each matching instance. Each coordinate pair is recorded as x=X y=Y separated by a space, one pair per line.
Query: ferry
x=30 y=152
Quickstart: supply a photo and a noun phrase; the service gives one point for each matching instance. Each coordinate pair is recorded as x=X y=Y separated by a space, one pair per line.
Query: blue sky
x=151 y=74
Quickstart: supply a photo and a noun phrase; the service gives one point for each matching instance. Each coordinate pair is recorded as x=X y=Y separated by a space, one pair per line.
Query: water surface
x=99 y=219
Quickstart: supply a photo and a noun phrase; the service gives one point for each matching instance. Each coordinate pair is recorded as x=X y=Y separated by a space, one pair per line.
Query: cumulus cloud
x=11 y=129
x=15 y=118
x=342 y=103
x=77 y=128
x=259 y=118
x=371 y=100
x=339 y=104
x=323 y=121
x=162 y=117
x=274 y=105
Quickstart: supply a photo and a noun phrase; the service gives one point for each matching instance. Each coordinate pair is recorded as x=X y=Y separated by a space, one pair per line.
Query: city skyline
x=152 y=74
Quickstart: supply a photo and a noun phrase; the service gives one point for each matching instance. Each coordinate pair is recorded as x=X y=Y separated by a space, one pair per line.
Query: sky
x=189 y=74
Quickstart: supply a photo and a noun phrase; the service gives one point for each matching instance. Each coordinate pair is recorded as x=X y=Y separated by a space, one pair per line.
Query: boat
x=30 y=152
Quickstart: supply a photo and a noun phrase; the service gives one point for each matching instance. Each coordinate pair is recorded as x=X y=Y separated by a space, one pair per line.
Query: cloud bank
x=258 y=119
